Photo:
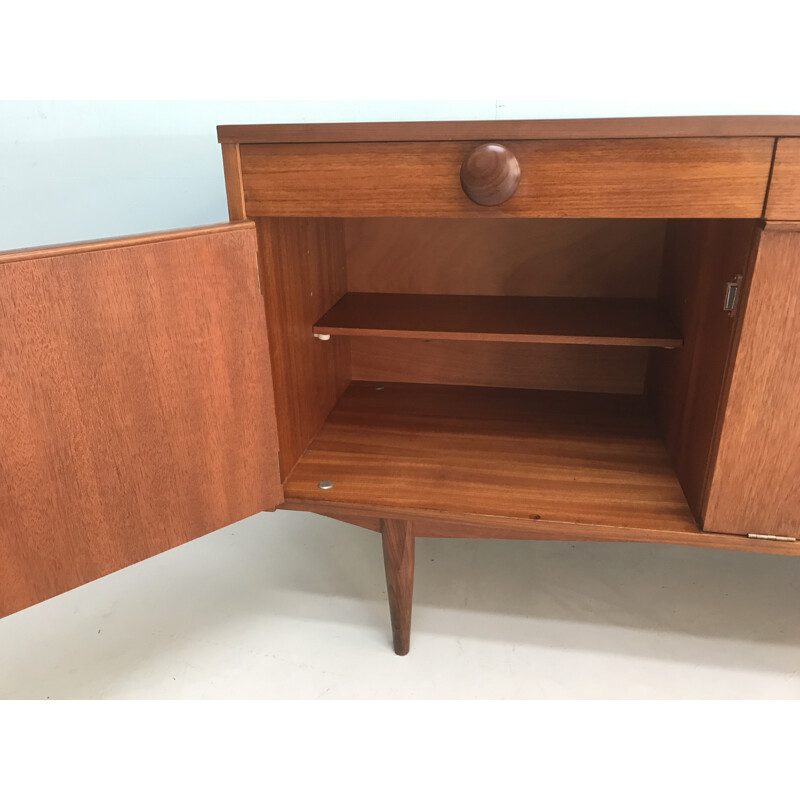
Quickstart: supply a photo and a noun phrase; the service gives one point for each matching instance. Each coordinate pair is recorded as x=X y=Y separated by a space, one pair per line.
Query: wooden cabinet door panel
x=136 y=407
x=755 y=483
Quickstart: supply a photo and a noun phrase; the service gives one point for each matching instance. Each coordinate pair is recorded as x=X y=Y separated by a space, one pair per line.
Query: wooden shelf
x=554 y=460
x=565 y=320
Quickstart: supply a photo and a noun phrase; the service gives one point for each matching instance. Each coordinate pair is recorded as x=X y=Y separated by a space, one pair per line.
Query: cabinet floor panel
x=543 y=458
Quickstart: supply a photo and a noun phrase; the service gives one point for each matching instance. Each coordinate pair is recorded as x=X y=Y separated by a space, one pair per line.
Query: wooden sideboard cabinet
x=578 y=330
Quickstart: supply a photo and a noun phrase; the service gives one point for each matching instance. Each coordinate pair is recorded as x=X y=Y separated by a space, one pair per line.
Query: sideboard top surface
x=610 y=128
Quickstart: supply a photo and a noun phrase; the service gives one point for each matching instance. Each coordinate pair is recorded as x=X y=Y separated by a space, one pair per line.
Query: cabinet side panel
x=686 y=385
x=303 y=275
x=755 y=486
x=136 y=407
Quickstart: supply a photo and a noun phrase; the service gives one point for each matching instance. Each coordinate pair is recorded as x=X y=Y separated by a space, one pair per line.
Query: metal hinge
x=770 y=537
x=731 y=294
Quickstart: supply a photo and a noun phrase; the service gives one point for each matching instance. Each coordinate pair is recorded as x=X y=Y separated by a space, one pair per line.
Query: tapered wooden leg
x=398 y=558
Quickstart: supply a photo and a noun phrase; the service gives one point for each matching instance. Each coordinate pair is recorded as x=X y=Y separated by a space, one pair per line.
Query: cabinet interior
x=563 y=370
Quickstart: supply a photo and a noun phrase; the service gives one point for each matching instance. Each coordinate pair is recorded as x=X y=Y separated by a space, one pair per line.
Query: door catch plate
x=732 y=294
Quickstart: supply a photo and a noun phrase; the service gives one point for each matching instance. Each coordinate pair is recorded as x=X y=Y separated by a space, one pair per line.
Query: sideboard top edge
x=600 y=128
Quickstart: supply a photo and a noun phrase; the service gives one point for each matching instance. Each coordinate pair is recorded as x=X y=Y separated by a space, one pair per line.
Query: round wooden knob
x=490 y=174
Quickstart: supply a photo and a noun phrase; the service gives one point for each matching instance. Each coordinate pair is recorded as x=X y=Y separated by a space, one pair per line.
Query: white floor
x=291 y=605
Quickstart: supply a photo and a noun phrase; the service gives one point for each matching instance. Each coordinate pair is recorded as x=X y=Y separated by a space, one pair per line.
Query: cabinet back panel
x=580 y=368
x=552 y=257
x=302 y=275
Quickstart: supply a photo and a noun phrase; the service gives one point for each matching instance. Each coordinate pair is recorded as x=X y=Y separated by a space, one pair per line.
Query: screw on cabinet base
x=325 y=485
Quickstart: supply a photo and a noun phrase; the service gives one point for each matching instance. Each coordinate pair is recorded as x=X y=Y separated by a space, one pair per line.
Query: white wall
x=73 y=170
x=81 y=170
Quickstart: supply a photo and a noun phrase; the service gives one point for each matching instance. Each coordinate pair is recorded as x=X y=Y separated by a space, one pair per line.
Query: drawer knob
x=490 y=174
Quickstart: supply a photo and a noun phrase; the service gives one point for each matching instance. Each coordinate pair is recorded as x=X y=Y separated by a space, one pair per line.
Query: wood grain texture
x=581 y=258
x=590 y=178
x=489 y=174
x=574 y=459
x=136 y=408
x=232 y=167
x=550 y=320
x=784 y=225
x=720 y=541
x=580 y=368
x=609 y=128
x=426 y=525
x=686 y=386
x=755 y=486
x=398 y=558
x=303 y=274
x=528 y=257
x=117 y=242
x=783 y=200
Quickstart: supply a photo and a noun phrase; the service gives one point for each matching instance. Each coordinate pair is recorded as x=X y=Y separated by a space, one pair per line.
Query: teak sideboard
x=578 y=330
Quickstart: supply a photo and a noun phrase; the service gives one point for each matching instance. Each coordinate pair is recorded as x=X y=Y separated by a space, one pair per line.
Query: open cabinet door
x=136 y=403
x=755 y=482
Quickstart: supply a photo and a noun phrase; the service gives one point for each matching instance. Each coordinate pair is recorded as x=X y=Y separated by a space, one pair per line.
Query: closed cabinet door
x=754 y=485
x=136 y=405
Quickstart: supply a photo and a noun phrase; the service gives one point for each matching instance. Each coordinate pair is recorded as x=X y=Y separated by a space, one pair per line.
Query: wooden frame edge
x=70 y=248
x=234 y=186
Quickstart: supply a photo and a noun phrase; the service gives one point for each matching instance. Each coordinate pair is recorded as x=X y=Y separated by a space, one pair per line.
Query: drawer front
x=783 y=202
x=708 y=177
